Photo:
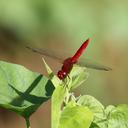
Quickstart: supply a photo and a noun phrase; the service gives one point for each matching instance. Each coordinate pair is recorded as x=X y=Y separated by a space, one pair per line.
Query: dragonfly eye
x=61 y=74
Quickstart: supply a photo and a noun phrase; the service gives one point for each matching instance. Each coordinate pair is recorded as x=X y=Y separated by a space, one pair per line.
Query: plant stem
x=27 y=122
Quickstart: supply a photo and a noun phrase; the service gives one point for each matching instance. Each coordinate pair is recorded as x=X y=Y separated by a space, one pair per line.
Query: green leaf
x=55 y=80
x=22 y=90
x=78 y=75
x=76 y=117
x=94 y=125
x=109 y=109
x=94 y=105
x=57 y=99
x=118 y=117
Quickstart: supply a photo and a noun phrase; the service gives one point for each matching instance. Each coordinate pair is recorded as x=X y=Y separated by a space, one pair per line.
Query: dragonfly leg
x=67 y=81
x=69 y=77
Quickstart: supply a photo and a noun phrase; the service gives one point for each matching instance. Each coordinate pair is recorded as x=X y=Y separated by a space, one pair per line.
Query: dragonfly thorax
x=66 y=68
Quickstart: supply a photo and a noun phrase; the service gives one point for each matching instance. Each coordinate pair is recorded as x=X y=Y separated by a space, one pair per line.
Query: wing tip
x=30 y=48
x=108 y=69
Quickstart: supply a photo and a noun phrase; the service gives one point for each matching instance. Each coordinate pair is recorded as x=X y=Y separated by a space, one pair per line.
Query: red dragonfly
x=70 y=61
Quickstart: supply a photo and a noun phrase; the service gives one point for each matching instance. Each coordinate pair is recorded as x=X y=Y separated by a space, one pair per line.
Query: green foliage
x=23 y=91
x=77 y=76
x=71 y=114
x=94 y=105
x=76 y=117
x=109 y=117
x=84 y=111
x=117 y=116
x=57 y=100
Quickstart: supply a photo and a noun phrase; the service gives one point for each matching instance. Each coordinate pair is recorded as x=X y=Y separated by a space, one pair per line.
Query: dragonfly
x=67 y=64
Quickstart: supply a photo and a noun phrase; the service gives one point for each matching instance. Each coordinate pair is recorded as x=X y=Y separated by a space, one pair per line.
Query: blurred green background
x=62 y=26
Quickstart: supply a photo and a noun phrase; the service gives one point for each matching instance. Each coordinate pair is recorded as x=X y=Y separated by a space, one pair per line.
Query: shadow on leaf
x=26 y=96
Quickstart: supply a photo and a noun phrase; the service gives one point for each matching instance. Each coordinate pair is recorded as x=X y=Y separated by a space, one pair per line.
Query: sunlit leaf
x=57 y=99
x=55 y=80
x=78 y=75
x=94 y=105
x=22 y=90
x=76 y=117
x=118 y=117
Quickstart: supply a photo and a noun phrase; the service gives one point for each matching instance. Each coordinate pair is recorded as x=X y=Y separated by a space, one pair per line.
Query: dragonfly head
x=61 y=74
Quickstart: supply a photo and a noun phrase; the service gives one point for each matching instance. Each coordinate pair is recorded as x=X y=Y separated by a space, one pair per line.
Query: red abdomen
x=68 y=63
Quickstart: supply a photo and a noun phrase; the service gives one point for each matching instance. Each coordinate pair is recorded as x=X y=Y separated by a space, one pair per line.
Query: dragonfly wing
x=90 y=64
x=45 y=52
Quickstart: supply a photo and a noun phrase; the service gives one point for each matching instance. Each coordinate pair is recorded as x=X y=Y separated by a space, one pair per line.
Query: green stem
x=27 y=122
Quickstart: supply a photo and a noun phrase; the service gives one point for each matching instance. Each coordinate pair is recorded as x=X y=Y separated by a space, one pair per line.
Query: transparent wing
x=47 y=53
x=83 y=62
x=90 y=64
